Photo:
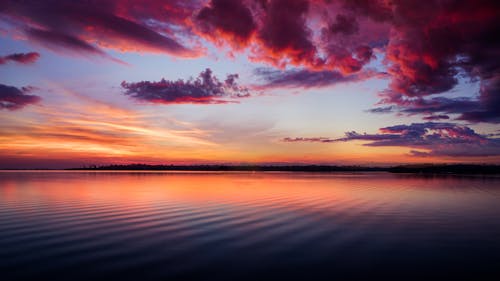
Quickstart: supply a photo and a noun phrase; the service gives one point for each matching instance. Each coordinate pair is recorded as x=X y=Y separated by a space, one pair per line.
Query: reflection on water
x=247 y=226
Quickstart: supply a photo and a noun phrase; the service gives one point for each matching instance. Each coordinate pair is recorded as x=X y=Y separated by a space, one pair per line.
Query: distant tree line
x=421 y=168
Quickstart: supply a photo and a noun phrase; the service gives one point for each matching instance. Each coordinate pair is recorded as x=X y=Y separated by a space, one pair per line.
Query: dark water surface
x=247 y=226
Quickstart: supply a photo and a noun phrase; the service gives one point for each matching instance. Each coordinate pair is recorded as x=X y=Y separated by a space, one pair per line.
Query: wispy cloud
x=85 y=128
x=305 y=78
x=86 y=27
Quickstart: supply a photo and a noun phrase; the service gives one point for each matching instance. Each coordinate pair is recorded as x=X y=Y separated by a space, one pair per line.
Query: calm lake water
x=247 y=226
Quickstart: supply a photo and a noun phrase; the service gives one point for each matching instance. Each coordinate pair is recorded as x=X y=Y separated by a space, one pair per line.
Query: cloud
x=436 y=117
x=227 y=20
x=22 y=58
x=58 y=40
x=431 y=138
x=382 y=109
x=308 y=79
x=432 y=45
x=205 y=89
x=482 y=109
x=80 y=130
x=378 y=10
x=316 y=139
x=488 y=109
x=427 y=49
x=345 y=24
x=13 y=98
x=88 y=26
x=284 y=32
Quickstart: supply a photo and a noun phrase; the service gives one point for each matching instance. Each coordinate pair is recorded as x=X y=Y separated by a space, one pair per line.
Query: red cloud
x=429 y=47
x=280 y=32
x=426 y=47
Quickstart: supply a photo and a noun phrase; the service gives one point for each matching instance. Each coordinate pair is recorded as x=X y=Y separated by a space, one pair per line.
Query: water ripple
x=243 y=226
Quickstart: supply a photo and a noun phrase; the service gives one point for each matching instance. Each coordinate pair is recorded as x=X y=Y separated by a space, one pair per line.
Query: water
x=247 y=226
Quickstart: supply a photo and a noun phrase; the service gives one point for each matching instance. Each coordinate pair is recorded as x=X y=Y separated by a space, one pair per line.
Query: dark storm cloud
x=205 y=89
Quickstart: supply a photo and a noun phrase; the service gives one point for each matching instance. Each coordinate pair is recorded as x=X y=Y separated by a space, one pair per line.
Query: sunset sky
x=253 y=81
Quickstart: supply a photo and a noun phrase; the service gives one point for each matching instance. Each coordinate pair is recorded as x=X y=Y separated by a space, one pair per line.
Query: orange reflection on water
x=174 y=223
x=376 y=191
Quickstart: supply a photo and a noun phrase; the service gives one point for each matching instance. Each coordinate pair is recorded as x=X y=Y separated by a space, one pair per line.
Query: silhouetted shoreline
x=419 y=169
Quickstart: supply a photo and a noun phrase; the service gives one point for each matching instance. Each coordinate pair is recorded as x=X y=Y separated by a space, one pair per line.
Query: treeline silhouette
x=421 y=168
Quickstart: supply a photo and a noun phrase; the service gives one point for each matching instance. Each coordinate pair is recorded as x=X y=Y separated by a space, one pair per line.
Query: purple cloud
x=227 y=18
x=13 y=98
x=488 y=109
x=435 y=139
x=22 y=58
x=436 y=117
x=205 y=89
x=426 y=49
x=307 y=78
x=85 y=26
x=483 y=109
x=317 y=139
x=59 y=40
x=345 y=24
x=382 y=109
x=432 y=45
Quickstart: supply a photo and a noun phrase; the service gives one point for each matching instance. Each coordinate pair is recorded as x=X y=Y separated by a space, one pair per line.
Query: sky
x=343 y=82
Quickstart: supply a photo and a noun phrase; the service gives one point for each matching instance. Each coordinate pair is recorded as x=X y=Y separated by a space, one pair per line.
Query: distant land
x=420 y=168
